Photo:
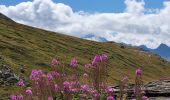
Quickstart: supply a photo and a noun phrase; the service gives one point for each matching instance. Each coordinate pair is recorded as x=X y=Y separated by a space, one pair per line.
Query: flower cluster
x=58 y=85
x=20 y=83
x=54 y=62
x=74 y=62
x=35 y=75
x=99 y=58
x=15 y=97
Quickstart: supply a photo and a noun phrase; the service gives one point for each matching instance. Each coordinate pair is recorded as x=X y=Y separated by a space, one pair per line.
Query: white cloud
x=133 y=26
x=134 y=7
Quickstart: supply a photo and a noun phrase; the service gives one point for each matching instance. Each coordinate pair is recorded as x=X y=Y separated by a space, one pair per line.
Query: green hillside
x=34 y=48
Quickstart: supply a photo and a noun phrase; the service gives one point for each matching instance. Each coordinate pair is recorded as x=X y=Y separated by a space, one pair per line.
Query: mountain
x=94 y=38
x=162 y=50
x=34 y=48
x=2 y=16
x=144 y=48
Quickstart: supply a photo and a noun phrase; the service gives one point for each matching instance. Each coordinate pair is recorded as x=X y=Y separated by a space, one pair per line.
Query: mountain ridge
x=4 y=17
x=94 y=38
x=162 y=50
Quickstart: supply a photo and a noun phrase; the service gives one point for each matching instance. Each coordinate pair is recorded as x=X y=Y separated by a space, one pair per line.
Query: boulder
x=158 y=88
x=7 y=76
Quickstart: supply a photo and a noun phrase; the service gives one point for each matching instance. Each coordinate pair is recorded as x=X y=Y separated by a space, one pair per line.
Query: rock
x=153 y=90
x=122 y=46
x=7 y=76
x=158 y=88
x=12 y=80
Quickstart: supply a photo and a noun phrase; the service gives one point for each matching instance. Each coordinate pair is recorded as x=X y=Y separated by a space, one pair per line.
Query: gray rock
x=7 y=76
x=158 y=88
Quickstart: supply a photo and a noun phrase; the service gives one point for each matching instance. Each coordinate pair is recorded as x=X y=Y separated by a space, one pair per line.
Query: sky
x=91 y=6
x=136 y=22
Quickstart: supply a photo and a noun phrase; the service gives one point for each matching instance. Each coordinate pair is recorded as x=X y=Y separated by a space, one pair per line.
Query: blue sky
x=95 y=5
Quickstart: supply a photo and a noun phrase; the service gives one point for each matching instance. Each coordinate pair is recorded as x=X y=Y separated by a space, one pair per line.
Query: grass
x=34 y=48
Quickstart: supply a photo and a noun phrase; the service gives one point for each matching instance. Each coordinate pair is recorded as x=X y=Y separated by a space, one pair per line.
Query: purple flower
x=104 y=57
x=50 y=98
x=50 y=77
x=55 y=74
x=94 y=91
x=20 y=97
x=110 y=98
x=20 y=83
x=13 y=97
x=66 y=84
x=138 y=72
x=125 y=78
x=75 y=84
x=144 y=98
x=56 y=87
x=75 y=90
x=87 y=65
x=109 y=90
x=84 y=87
x=97 y=95
x=74 y=62
x=143 y=92
x=96 y=59
x=35 y=75
x=28 y=92
x=54 y=62
x=83 y=95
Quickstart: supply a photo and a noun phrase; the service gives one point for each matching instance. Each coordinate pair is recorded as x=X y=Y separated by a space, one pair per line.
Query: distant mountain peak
x=94 y=37
x=4 y=17
x=144 y=47
x=162 y=45
x=163 y=50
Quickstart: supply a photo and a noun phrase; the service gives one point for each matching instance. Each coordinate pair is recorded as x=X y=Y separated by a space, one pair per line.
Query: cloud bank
x=133 y=26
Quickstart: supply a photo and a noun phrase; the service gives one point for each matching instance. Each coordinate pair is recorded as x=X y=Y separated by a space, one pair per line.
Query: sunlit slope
x=34 y=48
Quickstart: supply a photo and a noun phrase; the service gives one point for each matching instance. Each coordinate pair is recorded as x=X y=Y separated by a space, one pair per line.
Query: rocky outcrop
x=7 y=76
x=158 y=88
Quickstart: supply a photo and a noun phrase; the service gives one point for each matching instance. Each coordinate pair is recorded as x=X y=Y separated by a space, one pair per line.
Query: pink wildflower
x=138 y=72
x=50 y=77
x=144 y=98
x=35 y=75
x=13 y=97
x=20 y=97
x=87 y=65
x=74 y=62
x=28 y=92
x=96 y=59
x=54 y=62
x=84 y=87
x=109 y=90
x=50 y=98
x=104 y=57
x=20 y=83
x=110 y=98
x=125 y=78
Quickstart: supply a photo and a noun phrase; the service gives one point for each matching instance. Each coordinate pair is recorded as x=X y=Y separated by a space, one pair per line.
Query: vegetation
x=57 y=85
x=34 y=48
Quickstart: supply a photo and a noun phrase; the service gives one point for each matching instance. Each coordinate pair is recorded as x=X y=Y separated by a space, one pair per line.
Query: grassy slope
x=20 y=44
